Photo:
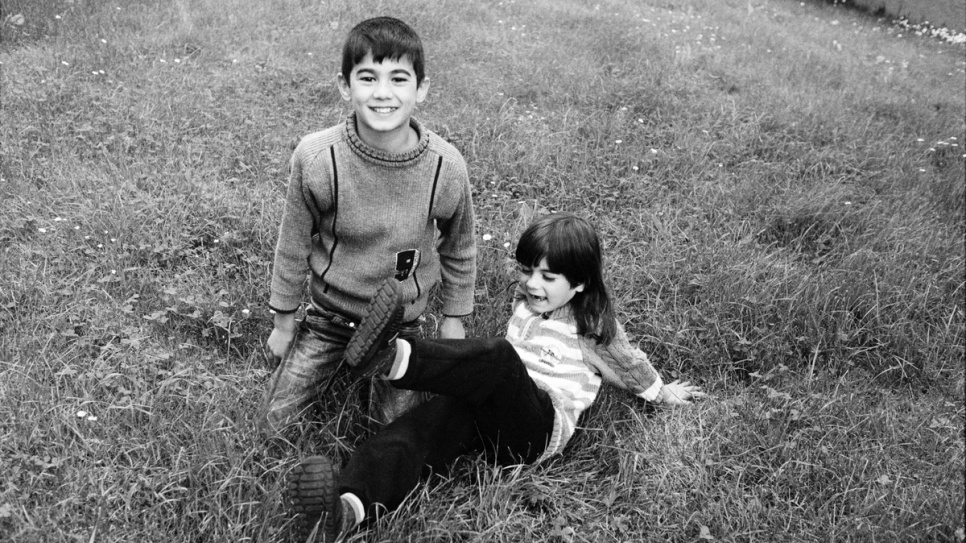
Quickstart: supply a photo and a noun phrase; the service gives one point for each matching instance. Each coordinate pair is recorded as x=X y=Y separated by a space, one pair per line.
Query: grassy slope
x=780 y=188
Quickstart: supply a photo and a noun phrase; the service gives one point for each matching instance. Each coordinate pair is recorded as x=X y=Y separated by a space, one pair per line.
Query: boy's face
x=383 y=95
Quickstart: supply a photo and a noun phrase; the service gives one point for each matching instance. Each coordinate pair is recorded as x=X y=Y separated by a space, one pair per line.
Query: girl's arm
x=624 y=366
x=627 y=367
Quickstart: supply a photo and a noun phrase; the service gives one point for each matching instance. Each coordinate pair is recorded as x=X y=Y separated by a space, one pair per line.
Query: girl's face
x=546 y=291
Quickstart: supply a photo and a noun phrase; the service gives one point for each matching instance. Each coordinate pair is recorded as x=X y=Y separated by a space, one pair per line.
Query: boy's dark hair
x=384 y=38
x=572 y=249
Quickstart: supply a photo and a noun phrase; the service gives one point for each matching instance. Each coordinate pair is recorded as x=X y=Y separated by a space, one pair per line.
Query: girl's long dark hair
x=572 y=249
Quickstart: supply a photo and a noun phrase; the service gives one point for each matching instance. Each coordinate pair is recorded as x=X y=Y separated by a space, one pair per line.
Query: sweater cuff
x=652 y=391
x=457 y=309
x=284 y=304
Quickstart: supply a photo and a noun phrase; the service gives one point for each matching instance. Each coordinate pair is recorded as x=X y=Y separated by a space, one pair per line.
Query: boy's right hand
x=280 y=339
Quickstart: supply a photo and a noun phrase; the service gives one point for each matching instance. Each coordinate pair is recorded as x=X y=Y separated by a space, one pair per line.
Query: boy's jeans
x=308 y=365
x=485 y=401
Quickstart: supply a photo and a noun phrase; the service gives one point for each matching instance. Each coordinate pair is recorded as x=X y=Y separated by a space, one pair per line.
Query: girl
x=517 y=399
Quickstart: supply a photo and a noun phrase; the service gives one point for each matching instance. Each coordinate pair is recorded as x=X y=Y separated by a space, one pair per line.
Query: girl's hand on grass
x=678 y=393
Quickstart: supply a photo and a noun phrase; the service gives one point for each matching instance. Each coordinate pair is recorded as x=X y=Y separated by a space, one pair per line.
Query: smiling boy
x=379 y=195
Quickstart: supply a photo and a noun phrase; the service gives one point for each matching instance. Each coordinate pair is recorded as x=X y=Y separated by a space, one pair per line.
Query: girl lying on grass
x=517 y=400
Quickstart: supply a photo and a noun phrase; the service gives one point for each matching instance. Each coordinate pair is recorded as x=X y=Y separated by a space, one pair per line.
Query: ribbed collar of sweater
x=381 y=157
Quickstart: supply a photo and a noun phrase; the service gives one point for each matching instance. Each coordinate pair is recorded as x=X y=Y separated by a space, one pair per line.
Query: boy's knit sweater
x=355 y=215
x=570 y=367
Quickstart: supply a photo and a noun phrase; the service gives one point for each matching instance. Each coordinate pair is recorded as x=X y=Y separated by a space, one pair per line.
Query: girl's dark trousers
x=486 y=402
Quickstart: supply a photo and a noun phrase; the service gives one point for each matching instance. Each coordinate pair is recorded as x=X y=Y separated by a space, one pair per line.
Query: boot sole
x=379 y=323
x=313 y=494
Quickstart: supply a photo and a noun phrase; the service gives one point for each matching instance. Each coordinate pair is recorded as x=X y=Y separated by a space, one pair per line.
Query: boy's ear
x=579 y=288
x=422 y=90
x=344 y=87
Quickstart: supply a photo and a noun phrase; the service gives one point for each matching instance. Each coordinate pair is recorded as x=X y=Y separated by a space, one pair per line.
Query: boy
x=377 y=196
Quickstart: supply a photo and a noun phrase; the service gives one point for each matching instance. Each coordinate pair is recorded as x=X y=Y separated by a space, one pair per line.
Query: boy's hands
x=678 y=393
x=452 y=328
x=281 y=337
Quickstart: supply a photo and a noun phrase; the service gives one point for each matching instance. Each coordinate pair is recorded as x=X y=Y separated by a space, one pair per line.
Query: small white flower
x=848 y=203
x=487 y=237
x=91 y=418
x=103 y=40
x=618 y=141
x=42 y=230
x=81 y=414
x=506 y=245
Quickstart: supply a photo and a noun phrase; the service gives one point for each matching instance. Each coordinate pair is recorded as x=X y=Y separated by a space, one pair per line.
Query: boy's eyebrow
x=396 y=71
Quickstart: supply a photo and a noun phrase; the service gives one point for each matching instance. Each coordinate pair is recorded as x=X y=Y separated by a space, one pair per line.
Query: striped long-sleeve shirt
x=571 y=368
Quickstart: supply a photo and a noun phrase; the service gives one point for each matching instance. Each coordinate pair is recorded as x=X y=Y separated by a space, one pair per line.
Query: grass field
x=779 y=186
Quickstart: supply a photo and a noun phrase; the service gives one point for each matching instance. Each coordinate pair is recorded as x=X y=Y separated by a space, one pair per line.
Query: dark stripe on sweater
x=432 y=195
x=335 y=217
x=429 y=215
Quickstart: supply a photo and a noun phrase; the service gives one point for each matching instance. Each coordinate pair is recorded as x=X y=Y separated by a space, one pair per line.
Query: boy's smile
x=384 y=96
